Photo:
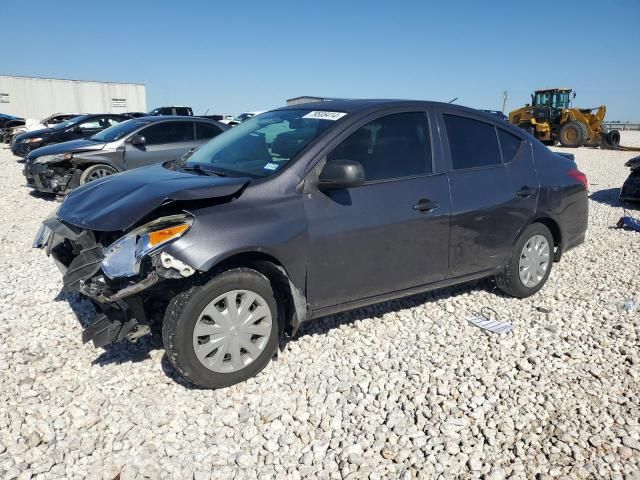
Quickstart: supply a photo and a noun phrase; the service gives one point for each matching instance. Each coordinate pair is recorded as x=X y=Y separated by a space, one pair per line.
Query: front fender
x=85 y=159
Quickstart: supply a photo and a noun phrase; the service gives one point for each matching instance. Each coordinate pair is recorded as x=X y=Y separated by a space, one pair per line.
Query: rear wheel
x=572 y=134
x=223 y=332
x=529 y=267
x=95 y=172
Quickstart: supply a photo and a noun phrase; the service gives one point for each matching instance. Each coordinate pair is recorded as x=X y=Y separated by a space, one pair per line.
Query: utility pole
x=505 y=95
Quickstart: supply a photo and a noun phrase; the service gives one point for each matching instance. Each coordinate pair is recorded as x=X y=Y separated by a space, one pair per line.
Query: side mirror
x=138 y=140
x=340 y=174
x=77 y=129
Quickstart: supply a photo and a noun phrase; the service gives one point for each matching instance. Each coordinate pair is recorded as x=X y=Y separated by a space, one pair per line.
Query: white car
x=241 y=118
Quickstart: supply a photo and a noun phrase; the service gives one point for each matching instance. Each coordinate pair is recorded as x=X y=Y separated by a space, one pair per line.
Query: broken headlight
x=61 y=157
x=123 y=257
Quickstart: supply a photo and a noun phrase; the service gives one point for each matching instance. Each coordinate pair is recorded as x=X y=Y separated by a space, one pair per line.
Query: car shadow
x=323 y=325
x=116 y=353
x=125 y=352
x=49 y=197
x=611 y=197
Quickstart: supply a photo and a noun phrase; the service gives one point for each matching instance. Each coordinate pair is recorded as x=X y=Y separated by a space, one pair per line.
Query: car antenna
x=452 y=100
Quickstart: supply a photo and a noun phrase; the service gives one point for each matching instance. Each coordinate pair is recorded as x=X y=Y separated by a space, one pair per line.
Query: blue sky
x=253 y=55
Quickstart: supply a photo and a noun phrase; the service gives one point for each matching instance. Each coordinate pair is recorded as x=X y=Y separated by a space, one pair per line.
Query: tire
x=572 y=134
x=612 y=138
x=510 y=280
x=95 y=172
x=189 y=310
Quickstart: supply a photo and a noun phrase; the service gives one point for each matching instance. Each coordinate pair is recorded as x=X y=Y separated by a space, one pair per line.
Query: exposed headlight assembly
x=32 y=140
x=123 y=257
x=61 y=157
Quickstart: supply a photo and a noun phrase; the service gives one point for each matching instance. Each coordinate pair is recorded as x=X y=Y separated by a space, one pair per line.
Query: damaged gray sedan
x=308 y=211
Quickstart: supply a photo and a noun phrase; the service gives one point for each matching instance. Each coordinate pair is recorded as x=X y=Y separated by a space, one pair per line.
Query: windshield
x=68 y=123
x=263 y=145
x=118 y=131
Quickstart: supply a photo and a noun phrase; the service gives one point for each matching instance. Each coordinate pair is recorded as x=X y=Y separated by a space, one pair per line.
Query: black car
x=173 y=110
x=75 y=128
x=307 y=211
x=630 y=191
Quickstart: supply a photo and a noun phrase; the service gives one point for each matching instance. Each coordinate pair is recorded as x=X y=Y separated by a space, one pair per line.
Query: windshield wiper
x=196 y=167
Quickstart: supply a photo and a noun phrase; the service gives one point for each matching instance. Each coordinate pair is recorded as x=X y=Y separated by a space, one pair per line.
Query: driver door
x=374 y=239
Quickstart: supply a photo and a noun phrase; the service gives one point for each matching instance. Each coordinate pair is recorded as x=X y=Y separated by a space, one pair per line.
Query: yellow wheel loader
x=551 y=119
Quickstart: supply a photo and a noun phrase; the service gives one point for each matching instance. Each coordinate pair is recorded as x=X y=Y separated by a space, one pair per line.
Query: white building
x=32 y=97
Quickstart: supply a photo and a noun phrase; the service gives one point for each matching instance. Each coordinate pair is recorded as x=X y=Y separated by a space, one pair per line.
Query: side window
x=112 y=121
x=390 y=147
x=183 y=111
x=92 y=124
x=205 y=131
x=168 y=132
x=472 y=143
x=509 y=144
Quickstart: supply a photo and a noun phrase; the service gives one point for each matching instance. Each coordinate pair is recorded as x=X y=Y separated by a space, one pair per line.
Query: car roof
x=374 y=104
x=164 y=118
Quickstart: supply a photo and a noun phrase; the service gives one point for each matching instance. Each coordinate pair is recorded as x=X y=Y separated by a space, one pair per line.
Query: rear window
x=472 y=143
x=510 y=144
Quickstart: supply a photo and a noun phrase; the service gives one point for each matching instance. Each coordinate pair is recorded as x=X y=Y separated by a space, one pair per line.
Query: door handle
x=425 y=205
x=525 y=192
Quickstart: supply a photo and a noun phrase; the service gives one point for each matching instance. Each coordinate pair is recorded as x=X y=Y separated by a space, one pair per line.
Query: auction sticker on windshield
x=320 y=115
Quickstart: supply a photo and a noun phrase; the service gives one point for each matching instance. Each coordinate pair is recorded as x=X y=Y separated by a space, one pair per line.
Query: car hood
x=73 y=146
x=117 y=203
x=35 y=133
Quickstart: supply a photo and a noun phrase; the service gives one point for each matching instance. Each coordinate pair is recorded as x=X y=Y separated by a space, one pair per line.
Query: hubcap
x=232 y=331
x=534 y=261
x=99 y=173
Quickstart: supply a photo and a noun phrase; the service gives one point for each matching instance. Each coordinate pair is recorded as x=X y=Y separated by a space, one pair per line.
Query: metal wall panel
x=31 y=97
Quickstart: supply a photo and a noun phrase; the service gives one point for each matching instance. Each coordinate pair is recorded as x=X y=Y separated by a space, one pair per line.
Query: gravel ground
x=405 y=389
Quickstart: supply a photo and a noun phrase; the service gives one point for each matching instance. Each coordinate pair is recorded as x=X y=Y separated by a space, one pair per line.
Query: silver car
x=135 y=143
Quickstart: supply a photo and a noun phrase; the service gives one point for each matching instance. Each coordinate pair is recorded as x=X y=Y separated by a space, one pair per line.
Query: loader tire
x=612 y=138
x=572 y=134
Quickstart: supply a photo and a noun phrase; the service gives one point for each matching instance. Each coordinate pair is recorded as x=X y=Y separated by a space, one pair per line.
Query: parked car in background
x=135 y=143
x=4 y=119
x=307 y=211
x=238 y=119
x=174 y=110
x=78 y=127
x=497 y=114
x=630 y=191
x=31 y=124
x=7 y=124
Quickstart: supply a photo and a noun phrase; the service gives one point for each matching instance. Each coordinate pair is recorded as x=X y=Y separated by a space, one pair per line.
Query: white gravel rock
x=406 y=389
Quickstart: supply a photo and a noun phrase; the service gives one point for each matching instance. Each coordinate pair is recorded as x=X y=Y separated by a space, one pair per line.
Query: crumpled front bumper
x=51 y=178
x=78 y=255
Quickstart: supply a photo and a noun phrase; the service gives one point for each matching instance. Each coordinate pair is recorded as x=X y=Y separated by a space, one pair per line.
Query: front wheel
x=529 y=267
x=95 y=172
x=223 y=332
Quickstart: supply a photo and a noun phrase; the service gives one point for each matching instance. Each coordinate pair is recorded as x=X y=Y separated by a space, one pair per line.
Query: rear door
x=491 y=199
x=373 y=239
x=167 y=140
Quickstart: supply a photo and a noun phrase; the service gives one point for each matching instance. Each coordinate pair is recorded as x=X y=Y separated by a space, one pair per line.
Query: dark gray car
x=135 y=143
x=307 y=211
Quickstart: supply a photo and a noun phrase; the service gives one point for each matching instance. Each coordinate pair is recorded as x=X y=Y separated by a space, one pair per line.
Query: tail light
x=579 y=176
